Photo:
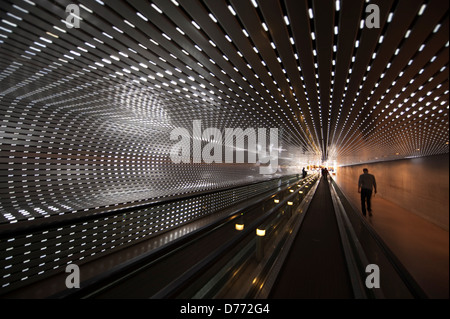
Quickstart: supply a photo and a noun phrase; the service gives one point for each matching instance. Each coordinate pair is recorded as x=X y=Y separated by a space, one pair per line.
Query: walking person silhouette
x=366 y=184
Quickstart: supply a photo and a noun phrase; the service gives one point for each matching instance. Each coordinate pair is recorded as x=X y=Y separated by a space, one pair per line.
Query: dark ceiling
x=346 y=90
x=341 y=89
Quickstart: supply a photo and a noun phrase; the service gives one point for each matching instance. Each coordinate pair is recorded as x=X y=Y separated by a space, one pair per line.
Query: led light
x=391 y=15
x=21 y=9
x=10 y=23
x=140 y=15
x=290 y=203
x=260 y=232
x=86 y=8
x=239 y=226
x=107 y=35
x=154 y=6
x=213 y=17
x=59 y=29
x=286 y=20
x=422 y=9
x=436 y=29
x=117 y=29
x=231 y=10
x=276 y=201
x=129 y=23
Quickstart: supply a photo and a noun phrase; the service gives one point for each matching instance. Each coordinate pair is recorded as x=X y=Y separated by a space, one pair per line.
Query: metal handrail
x=273 y=269
x=127 y=268
x=415 y=290
x=351 y=246
x=182 y=281
x=214 y=285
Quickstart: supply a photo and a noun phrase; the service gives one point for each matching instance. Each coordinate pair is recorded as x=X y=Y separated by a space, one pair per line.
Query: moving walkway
x=285 y=238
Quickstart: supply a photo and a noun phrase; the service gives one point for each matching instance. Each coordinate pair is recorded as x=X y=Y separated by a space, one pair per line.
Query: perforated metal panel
x=33 y=255
x=103 y=142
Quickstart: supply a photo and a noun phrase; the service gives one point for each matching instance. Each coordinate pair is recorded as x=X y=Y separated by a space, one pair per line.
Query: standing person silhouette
x=325 y=174
x=304 y=173
x=366 y=184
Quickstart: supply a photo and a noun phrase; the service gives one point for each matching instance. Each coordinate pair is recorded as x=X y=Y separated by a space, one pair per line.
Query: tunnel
x=215 y=149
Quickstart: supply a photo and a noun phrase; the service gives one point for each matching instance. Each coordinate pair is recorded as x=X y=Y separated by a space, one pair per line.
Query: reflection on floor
x=422 y=247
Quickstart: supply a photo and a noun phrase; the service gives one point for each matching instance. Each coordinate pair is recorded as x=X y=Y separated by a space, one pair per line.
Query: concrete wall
x=420 y=185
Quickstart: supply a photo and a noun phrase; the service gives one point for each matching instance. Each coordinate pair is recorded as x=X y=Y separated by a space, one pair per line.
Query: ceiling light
x=232 y=10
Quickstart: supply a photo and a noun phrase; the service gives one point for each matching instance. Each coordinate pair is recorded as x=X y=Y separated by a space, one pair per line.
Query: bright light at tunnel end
x=259 y=150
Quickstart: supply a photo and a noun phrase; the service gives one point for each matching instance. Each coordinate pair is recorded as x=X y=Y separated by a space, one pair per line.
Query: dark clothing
x=367 y=181
x=366 y=195
x=366 y=184
x=325 y=175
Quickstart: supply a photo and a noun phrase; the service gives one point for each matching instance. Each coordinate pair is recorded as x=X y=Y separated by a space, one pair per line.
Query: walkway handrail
x=412 y=286
x=41 y=224
x=285 y=247
x=124 y=270
x=351 y=247
x=182 y=281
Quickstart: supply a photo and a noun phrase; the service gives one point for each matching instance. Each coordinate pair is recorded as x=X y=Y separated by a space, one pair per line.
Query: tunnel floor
x=420 y=245
x=315 y=266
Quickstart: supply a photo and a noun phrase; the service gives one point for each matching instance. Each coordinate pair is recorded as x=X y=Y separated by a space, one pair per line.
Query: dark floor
x=421 y=246
x=315 y=266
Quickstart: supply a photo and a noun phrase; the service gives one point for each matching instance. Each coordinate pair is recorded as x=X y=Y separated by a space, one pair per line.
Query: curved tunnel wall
x=58 y=157
x=86 y=112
